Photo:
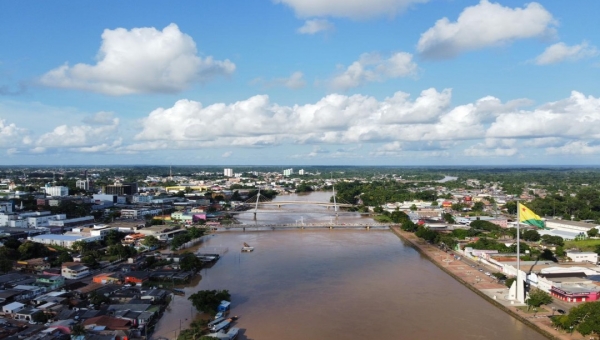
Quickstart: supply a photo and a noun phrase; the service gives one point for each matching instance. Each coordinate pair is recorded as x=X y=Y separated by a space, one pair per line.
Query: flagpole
x=518 y=250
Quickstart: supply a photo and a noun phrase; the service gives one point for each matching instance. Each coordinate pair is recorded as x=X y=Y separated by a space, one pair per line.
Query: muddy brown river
x=339 y=284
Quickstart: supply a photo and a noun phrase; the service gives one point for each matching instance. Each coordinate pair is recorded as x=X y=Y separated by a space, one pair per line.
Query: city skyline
x=298 y=82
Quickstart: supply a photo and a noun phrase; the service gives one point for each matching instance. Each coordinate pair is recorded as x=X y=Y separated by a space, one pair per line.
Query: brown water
x=341 y=284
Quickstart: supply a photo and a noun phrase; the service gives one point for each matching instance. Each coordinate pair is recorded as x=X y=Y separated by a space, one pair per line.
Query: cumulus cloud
x=575 y=117
x=334 y=119
x=560 y=52
x=12 y=135
x=227 y=154
x=575 y=148
x=354 y=9
x=371 y=67
x=140 y=60
x=483 y=25
x=83 y=138
x=314 y=26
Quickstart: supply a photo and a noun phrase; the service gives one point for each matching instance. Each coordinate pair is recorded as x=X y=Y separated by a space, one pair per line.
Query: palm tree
x=78 y=330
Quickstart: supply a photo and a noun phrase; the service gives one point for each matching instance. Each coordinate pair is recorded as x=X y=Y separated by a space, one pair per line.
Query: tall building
x=83 y=184
x=288 y=172
x=56 y=191
x=121 y=189
x=301 y=172
x=228 y=172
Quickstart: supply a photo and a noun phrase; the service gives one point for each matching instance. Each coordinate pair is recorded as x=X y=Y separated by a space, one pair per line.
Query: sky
x=300 y=82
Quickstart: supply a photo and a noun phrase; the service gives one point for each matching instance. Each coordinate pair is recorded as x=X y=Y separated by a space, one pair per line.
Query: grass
x=531 y=311
x=585 y=245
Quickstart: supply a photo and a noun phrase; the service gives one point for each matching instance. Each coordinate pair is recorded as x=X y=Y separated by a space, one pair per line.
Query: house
x=30 y=292
x=154 y=295
x=26 y=313
x=74 y=271
x=50 y=282
x=33 y=265
x=107 y=278
x=108 y=322
x=12 y=308
x=134 y=238
x=136 y=277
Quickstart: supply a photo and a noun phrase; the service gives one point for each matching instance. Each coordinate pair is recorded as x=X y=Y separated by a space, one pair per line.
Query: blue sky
x=286 y=82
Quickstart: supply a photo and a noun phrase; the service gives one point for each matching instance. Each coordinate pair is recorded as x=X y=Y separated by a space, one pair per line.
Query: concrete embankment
x=483 y=286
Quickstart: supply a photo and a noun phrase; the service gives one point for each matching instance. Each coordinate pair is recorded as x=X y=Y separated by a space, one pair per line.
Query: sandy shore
x=486 y=287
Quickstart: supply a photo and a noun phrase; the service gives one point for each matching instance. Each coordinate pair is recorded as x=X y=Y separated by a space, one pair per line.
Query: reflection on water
x=341 y=284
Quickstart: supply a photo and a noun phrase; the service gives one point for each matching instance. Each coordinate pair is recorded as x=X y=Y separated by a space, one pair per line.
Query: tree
x=478 y=206
x=448 y=218
x=593 y=232
x=413 y=207
x=531 y=235
x=151 y=241
x=585 y=318
x=30 y=250
x=511 y=207
x=78 y=329
x=548 y=255
x=538 y=297
x=113 y=237
x=6 y=265
x=208 y=301
x=190 y=262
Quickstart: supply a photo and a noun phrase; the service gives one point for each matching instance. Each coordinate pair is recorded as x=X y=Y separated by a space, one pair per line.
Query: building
x=83 y=184
x=120 y=189
x=288 y=172
x=228 y=172
x=578 y=256
x=62 y=240
x=74 y=271
x=138 y=213
x=56 y=191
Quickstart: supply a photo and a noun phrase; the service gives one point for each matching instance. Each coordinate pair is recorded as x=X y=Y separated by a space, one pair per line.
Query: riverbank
x=484 y=286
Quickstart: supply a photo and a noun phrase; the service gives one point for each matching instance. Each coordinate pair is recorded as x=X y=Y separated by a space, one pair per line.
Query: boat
x=247 y=248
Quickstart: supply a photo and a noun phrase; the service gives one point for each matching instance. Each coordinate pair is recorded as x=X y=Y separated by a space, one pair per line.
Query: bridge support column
x=279 y=206
x=244 y=229
x=255 y=216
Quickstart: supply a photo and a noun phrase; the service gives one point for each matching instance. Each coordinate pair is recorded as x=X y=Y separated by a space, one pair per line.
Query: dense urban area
x=97 y=253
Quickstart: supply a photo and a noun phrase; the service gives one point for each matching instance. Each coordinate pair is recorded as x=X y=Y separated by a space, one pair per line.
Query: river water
x=339 y=284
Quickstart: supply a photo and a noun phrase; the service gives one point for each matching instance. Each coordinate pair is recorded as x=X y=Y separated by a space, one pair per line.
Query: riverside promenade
x=486 y=287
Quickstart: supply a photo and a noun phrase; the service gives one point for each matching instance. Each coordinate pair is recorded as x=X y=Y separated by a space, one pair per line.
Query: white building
x=570 y=226
x=301 y=172
x=57 y=191
x=83 y=184
x=63 y=240
x=288 y=172
x=74 y=272
x=578 y=256
x=228 y=172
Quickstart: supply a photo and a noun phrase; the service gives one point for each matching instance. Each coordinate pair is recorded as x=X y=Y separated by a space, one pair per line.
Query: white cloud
x=140 y=60
x=483 y=25
x=227 y=154
x=12 y=135
x=575 y=117
x=575 y=148
x=313 y=26
x=560 y=52
x=84 y=138
x=354 y=9
x=371 y=67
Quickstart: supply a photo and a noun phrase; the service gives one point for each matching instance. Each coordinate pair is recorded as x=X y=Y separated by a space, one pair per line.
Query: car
x=488 y=273
x=481 y=270
x=561 y=311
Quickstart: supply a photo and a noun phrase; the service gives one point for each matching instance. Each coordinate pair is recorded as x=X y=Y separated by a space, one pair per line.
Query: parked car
x=561 y=311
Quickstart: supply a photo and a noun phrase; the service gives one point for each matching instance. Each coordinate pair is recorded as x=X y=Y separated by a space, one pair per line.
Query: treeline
x=583 y=205
x=379 y=192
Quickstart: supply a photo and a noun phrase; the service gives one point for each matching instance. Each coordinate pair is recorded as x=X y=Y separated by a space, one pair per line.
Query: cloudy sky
x=300 y=82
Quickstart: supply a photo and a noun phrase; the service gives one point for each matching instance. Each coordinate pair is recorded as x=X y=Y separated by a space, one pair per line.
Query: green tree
x=30 y=250
x=208 y=301
x=511 y=207
x=151 y=241
x=448 y=218
x=538 y=297
x=585 y=318
x=78 y=330
x=593 y=232
x=477 y=206
x=190 y=262
x=531 y=235
x=6 y=265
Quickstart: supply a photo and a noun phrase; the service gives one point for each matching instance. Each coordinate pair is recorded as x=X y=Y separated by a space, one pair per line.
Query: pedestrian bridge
x=323 y=204
x=290 y=226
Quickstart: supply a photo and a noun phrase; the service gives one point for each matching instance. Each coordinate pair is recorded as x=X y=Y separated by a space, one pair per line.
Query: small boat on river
x=246 y=248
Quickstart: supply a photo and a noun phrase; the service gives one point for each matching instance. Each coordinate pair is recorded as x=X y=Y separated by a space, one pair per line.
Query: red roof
x=109 y=322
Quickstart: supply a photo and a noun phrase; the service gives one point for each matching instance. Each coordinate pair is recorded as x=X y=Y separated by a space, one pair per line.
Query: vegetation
x=584 y=318
x=207 y=301
x=538 y=297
